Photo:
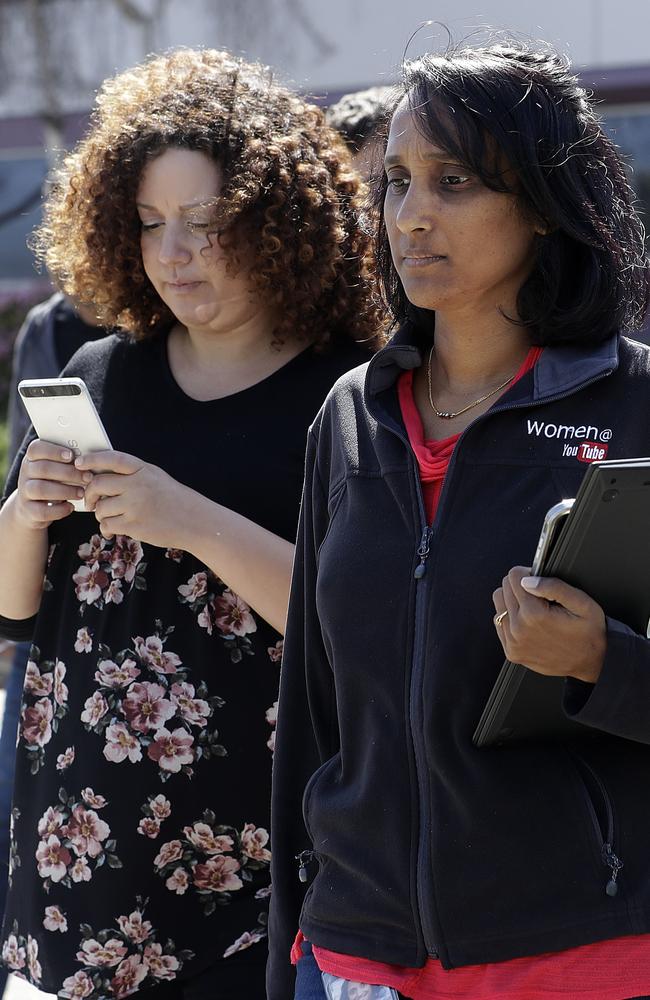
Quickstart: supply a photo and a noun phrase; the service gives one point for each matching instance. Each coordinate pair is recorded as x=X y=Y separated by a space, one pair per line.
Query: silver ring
x=498 y=619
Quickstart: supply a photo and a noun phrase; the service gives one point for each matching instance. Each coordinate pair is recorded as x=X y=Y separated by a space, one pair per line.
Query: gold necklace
x=447 y=415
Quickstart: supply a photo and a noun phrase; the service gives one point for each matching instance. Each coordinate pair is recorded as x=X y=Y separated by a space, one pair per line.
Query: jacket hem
x=498 y=948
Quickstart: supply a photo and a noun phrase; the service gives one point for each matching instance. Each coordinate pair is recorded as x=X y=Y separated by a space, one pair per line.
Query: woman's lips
x=421 y=260
x=183 y=287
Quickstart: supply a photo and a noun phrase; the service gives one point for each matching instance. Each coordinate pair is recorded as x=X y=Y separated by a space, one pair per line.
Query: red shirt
x=605 y=970
x=433 y=456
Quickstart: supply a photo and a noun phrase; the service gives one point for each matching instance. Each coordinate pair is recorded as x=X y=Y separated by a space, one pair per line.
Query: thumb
x=549 y=588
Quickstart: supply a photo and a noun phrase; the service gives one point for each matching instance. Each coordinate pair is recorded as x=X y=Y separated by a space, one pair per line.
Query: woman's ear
x=543 y=227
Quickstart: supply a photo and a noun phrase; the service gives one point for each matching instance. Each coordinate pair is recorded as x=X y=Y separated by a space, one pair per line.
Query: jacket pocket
x=333 y=504
x=305 y=858
x=309 y=791
x=600 y=810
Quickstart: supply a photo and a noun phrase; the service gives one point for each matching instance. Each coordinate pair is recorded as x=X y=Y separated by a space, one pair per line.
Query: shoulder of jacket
x=345 y=394
x=37 y=320
x=350 y=384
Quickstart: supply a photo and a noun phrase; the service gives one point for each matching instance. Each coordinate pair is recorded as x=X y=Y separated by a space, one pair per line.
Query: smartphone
x=63 y=413
x=344 y=989
x=551 y=529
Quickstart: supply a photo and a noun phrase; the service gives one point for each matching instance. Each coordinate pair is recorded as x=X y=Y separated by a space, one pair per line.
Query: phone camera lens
x=609 y=495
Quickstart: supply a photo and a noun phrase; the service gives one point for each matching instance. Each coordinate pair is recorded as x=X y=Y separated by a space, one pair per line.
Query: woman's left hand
x=131 y=497
x=550 y=627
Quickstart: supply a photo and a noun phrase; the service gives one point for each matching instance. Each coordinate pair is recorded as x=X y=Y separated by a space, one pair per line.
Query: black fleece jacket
x=423 y=844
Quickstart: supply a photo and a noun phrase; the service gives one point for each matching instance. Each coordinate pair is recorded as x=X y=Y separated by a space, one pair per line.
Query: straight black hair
x=513 y=104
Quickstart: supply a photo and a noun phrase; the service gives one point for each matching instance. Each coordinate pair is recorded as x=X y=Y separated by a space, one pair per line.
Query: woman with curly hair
x=214 y=216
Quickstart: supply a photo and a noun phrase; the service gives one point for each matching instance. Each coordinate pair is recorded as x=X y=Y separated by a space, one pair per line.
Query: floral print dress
x=140 y=849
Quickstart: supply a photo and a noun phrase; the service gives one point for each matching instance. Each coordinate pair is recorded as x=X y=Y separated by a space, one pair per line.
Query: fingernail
x=78 y=462
x=66 y=456
x=87 y=477
x=530 y=582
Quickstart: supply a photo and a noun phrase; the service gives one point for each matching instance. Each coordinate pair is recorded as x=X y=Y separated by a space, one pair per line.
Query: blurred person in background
x=213 y=214
x=358 y=118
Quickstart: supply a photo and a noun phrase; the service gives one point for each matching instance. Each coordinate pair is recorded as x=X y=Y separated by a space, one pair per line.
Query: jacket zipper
x=416 y=721
x=605 y=837
x=304 y=859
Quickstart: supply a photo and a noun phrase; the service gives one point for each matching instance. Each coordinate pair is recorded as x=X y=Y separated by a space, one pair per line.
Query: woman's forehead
x=411 y=128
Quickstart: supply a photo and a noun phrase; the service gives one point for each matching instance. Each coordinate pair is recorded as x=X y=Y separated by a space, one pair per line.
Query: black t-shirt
x=140 y=848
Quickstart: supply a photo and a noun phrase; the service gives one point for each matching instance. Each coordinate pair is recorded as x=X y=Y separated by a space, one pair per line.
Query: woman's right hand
x=47 y=482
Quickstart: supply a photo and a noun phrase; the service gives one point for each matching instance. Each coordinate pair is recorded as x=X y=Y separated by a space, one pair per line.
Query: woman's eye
x=148 y=227
x=200 y=226
x=454 y=180
x=398 y=183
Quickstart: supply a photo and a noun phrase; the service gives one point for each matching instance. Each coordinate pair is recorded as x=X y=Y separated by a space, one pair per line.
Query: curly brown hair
x=289 y=189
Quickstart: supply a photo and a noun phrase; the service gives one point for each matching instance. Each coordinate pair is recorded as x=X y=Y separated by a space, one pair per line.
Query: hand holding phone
x=63 y=413
x=48 y=485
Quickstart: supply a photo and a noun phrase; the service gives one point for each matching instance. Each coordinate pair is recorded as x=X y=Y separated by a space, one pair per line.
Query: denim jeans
x=309 y=985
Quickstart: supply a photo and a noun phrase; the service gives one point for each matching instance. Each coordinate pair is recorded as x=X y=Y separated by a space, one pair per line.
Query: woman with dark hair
x=215 y=216
x=512 y=260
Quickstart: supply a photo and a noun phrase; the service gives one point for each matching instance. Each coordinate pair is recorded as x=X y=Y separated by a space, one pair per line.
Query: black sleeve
x=306 y=732
x=618 y=702
x=17 y=631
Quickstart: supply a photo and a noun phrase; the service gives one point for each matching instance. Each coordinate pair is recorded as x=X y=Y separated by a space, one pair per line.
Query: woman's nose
x=416 y=211
x=173 y=247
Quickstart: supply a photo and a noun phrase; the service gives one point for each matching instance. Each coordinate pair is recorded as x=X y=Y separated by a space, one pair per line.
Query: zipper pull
x=615 y=864
x=304 y=858
x=423 y=552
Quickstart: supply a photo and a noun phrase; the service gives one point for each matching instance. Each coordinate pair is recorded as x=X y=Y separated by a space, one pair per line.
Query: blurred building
x=54 y=54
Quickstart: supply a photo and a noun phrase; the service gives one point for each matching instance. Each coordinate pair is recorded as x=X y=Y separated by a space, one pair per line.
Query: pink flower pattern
x=149 y=705
x=77 y=987
x=218 y=607
x=275 y=652
x=64 y=760
x=146 y=707
x=36 y=683
x=45 y=703
x=106 y=568
x=121 y=744
x=213 y=860
x=109 y=675
x=244 y=941
x=74 y=842
x=95 y=708
x=55 y=920
x=116 y=961
x=36 y=722
x=84 y=641
x=151 y=652
x=156 y=810
x=151 y=719
x=172 y=750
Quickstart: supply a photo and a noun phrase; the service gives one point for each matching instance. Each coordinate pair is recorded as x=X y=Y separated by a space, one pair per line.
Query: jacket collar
x=560 y=370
